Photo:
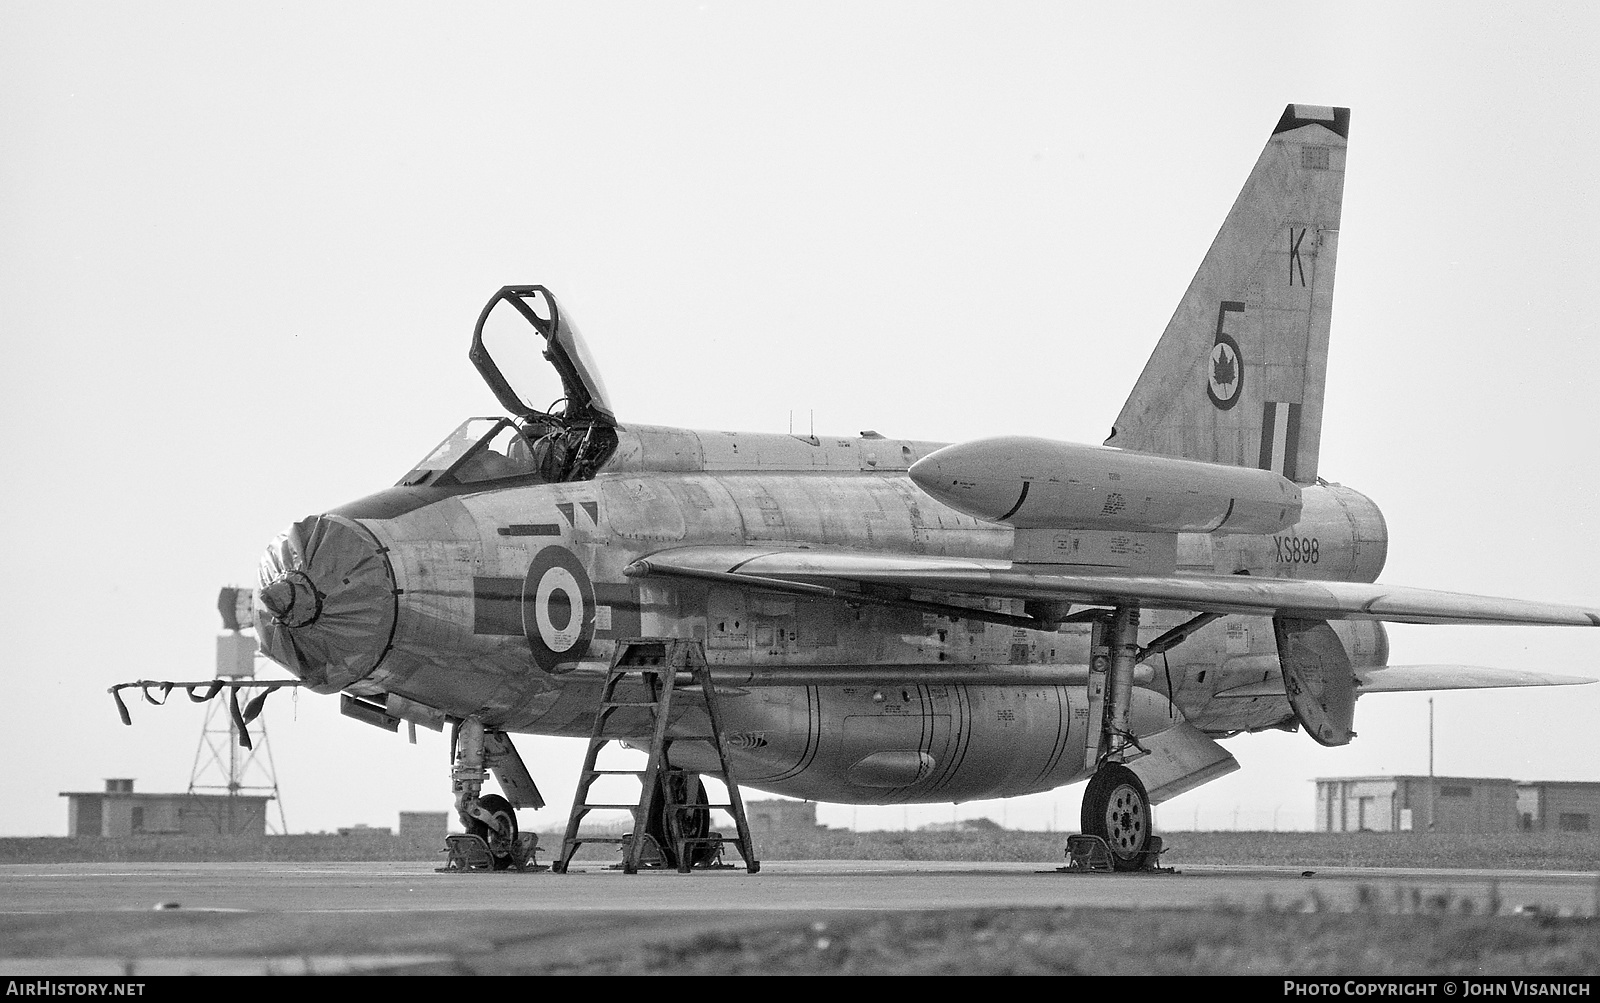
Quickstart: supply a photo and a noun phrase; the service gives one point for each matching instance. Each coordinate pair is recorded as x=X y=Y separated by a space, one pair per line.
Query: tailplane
x=1238 y=375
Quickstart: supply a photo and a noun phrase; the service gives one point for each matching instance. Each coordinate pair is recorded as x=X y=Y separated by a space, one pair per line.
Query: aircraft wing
x=843 y=573
x=1422 y=678
x=1417 y=678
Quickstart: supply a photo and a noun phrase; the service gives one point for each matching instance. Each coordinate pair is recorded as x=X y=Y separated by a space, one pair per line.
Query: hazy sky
x=242 y=247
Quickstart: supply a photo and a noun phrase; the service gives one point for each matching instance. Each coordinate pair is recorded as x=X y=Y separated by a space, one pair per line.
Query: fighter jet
x=887 y=620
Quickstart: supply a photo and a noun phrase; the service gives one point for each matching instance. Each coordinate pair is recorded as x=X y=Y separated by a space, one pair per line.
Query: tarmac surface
x=281 y=918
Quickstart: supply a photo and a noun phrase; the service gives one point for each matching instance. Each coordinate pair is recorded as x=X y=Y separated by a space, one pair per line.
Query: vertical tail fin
x=1238 y=374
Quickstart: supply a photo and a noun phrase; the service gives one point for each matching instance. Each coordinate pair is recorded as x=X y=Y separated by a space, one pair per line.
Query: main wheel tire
x=687 y=788
x=500 y=845
x=1117 y=809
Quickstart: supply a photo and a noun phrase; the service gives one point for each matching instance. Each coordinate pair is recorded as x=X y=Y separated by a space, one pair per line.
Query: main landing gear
x=677 y=833
x=1116 y=807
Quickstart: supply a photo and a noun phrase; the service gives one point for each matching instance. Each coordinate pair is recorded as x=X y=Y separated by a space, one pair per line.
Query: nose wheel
x=1117 y=809
x=500 y=842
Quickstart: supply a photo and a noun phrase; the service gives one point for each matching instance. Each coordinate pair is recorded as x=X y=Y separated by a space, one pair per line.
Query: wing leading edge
x=844 y=573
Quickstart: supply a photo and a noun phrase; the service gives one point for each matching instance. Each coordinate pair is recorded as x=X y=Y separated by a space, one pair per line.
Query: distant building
x=118 y=811
x=424 y=825
x=1455 y=805
x=774 y=816
x=979 y=824
x=1558 y=806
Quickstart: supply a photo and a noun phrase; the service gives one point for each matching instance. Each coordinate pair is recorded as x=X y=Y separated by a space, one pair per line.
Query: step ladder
x=649 y=674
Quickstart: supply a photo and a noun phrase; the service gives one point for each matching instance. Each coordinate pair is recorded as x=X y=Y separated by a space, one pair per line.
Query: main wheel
x=500 y=843
x=1117 y=809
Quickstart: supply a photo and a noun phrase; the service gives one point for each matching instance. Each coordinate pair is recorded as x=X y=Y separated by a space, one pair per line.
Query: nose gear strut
x=490 y=820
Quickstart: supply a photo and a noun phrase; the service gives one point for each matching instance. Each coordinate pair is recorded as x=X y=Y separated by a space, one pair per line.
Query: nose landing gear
x=499 y=832
x=489 y=819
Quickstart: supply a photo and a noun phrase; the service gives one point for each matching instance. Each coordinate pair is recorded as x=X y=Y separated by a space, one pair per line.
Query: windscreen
x=482 y=449
x=456 y=445
x=505 y=453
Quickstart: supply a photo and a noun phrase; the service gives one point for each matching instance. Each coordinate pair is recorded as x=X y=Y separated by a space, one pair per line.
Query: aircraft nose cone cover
x=326 y=606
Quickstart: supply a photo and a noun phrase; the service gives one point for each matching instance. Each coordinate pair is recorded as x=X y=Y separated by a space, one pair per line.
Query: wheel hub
x=1125 y=820
x=500 y=841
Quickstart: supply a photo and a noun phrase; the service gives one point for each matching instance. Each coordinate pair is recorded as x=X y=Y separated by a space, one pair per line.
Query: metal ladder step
x=663 y=669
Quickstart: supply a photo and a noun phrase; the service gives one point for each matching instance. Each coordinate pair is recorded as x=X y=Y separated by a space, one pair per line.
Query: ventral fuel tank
x=1034 y=483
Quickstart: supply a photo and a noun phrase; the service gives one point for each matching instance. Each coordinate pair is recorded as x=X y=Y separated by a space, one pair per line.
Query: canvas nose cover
x=326 y=606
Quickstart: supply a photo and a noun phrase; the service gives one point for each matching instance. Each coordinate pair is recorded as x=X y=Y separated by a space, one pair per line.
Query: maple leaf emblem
x=1222 y=367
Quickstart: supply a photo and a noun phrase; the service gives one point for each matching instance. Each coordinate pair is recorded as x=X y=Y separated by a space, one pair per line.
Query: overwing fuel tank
x=1033 y=483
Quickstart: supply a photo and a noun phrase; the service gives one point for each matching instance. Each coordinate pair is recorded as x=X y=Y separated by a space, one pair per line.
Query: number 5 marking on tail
x=1225 y=363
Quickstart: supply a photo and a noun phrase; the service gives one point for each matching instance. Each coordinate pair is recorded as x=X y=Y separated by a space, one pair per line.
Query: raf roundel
x=557 y=609
x=1224 y=372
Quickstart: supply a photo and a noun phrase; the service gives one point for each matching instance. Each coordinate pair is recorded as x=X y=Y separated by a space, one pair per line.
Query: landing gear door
x=535 y=361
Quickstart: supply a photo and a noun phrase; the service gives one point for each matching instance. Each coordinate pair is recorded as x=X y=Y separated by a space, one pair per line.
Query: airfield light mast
x=1431 y=802
x=218 y=763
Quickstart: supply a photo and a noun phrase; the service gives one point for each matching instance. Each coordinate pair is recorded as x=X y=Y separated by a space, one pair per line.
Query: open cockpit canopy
x=521 y=336
x=536 y=363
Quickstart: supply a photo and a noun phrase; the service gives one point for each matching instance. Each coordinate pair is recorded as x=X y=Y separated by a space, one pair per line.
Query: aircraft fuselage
x=509 y=601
